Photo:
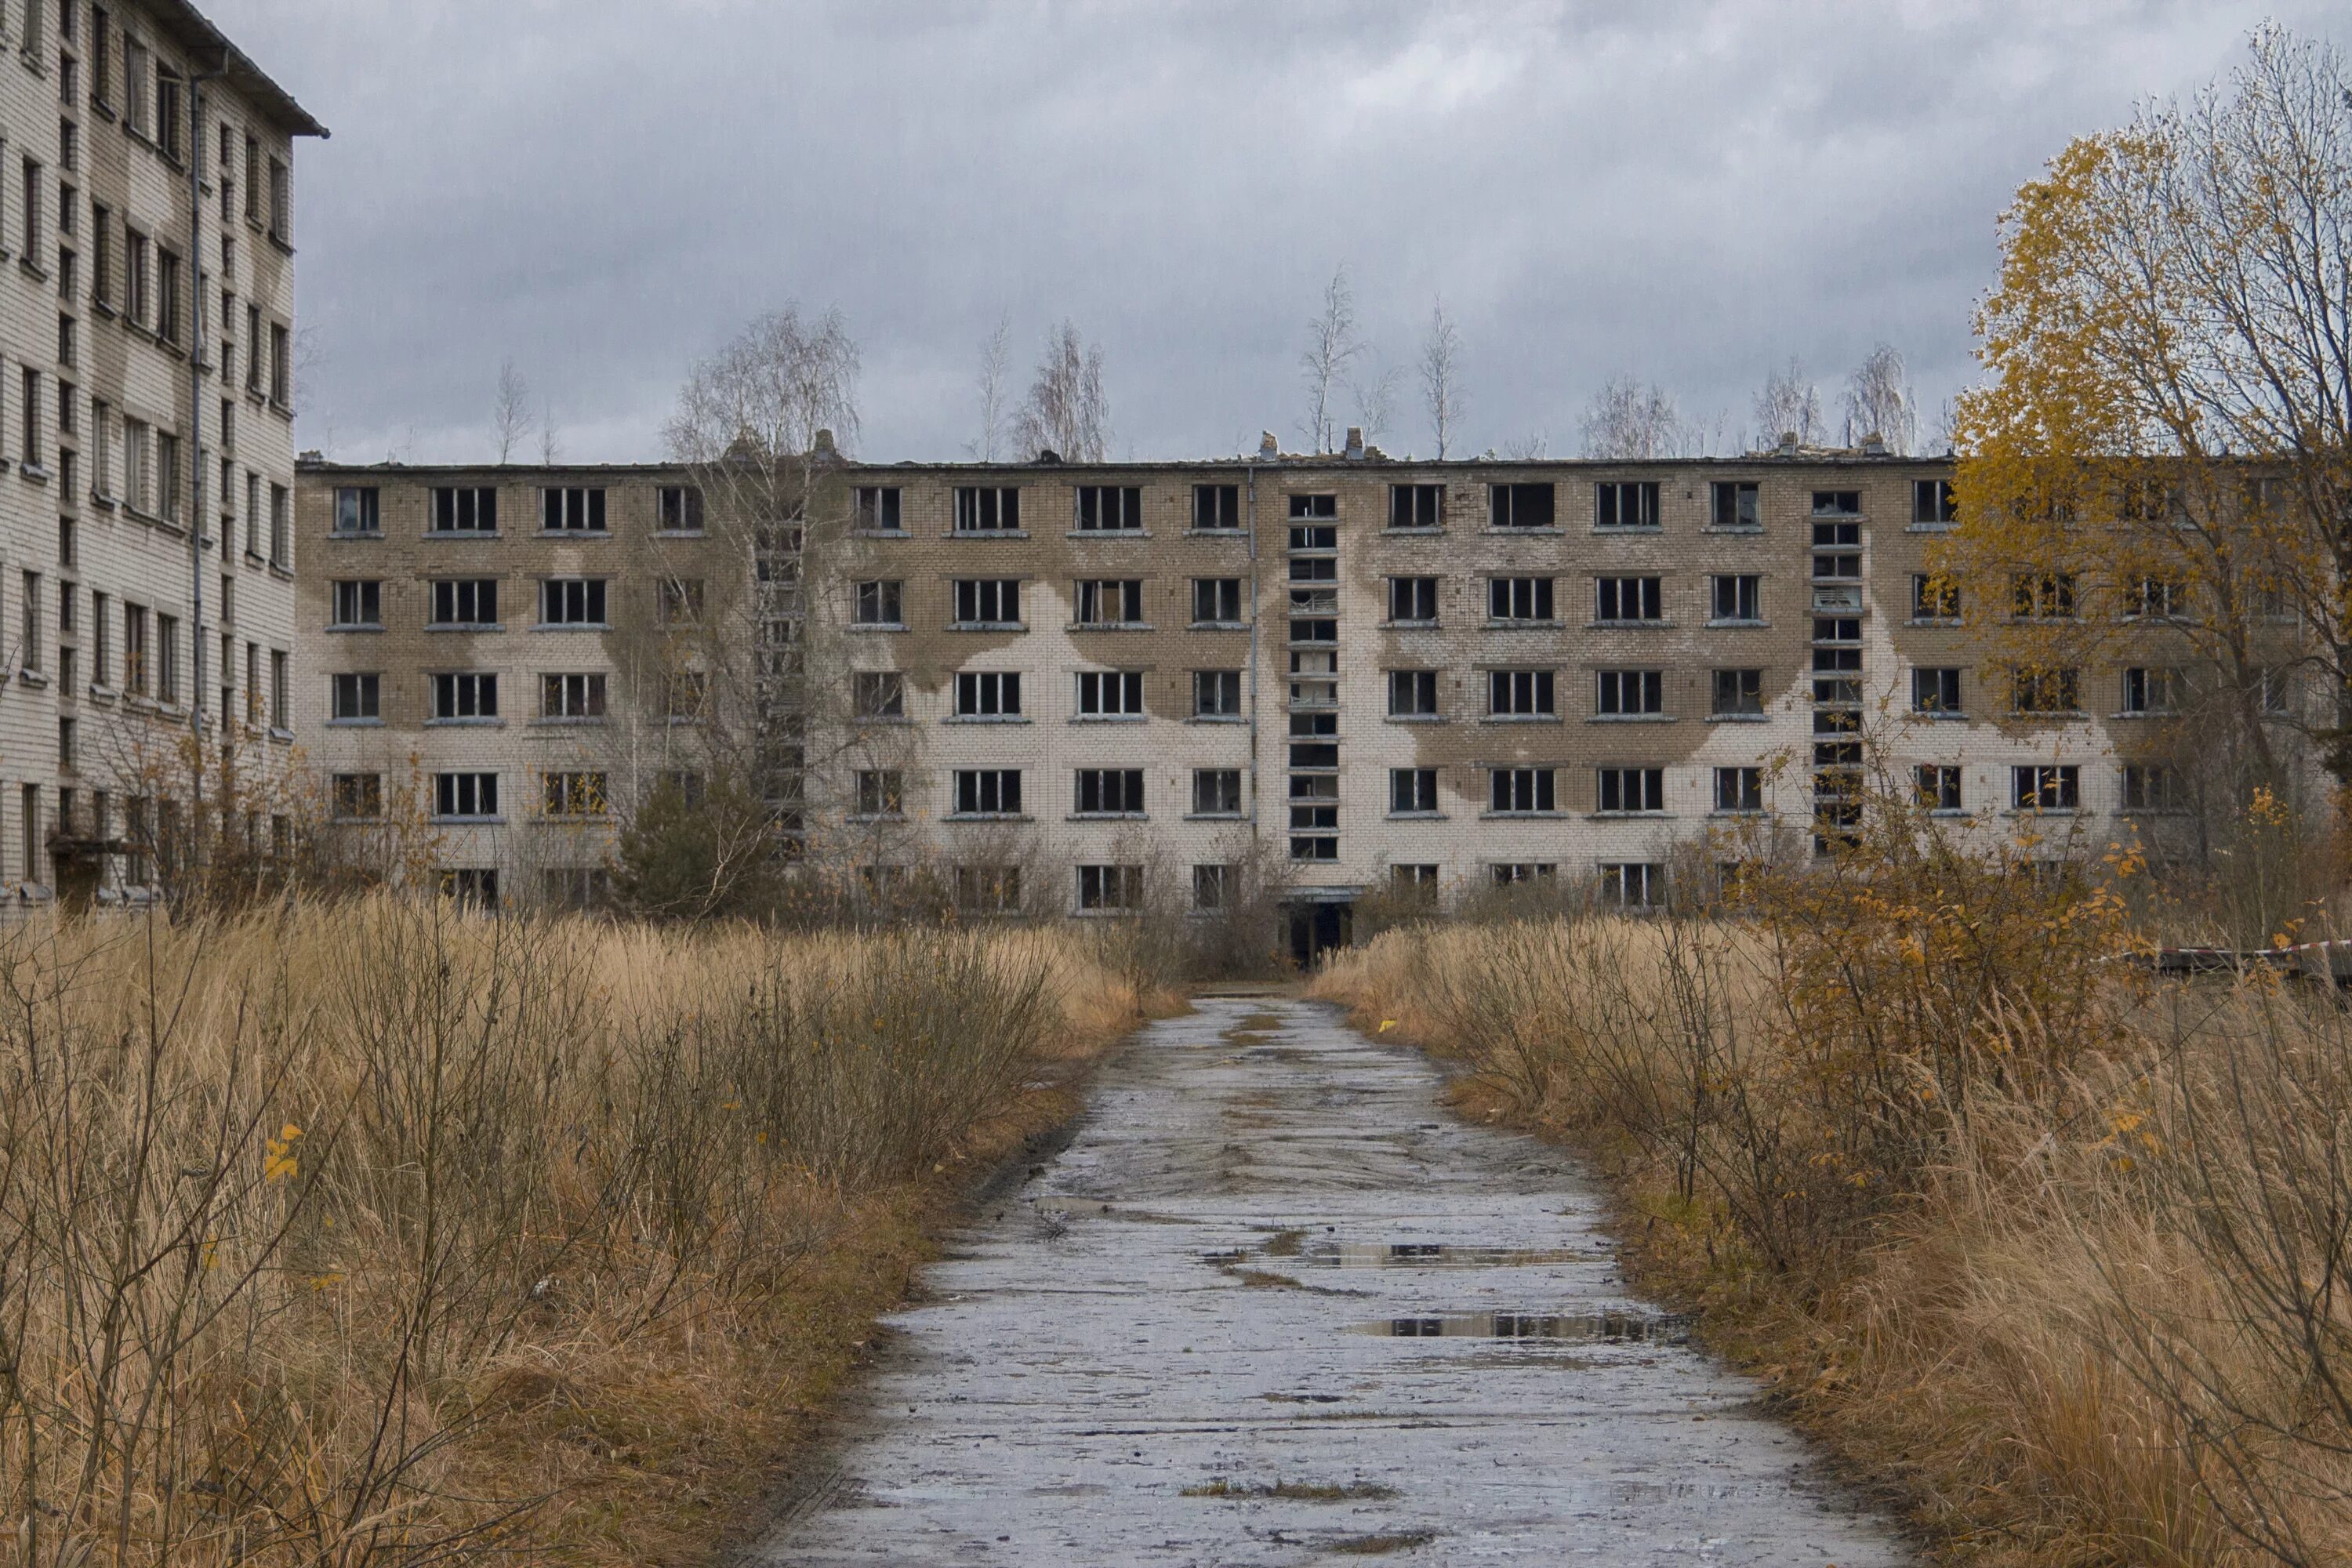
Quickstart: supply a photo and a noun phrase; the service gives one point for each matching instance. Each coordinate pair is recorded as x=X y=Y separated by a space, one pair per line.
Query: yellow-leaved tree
x=2155 y=478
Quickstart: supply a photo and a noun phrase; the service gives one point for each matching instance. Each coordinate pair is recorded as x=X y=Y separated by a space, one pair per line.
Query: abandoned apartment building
x=1077 y=689
x=146 y=425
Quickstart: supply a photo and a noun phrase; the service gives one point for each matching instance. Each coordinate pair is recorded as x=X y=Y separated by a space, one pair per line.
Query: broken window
x=2149 y=689
x=1109 y=792
x=881 y=792
x=1740 y=789
x=2042 y=596
x=465 y=794
x=572 y=695
x=1632 y=884
x=1937 y=690
x=988 y=890
x=1738 y=693
x=873 y=509
x=1520 y=791
x=1518 y=598
x=1519 y=873
x=1932 y=503
x=678 y=509
x=878 y=694
x=1314 y=803
x=464 y=602
x=358 y=797
x=1520 y=505
x=351 y=698
x=2046 y=787
x=1937 y=786
x=461 y=509
x=1216 y=507
x=984 y=694
x=1934 y=598
x=988 y=792
x=571 y=510
x=1737 y=596
x=1212 y=887
x=1109 y=509
x=1623 y=599
x=1110 y=693
x=1519 y=693
x=1413 y=694
x=1216 y=600
x=571 y=602
x=1416 y=506
x=877 y=603
x=2153 y=786
x=359 y=602
x=1413 y=600
x=1110 y=602
x=2045 y=691
x=1413 y=791
x=1837 y=503
x=1631 y=693
x=1216 y=792
x=1319 y=504
x=1625 y=503
x=2155 y=598
x=1631 y=789
x=1110 y=889
x=988 y=601
x=985 y=509
x=1217 y=693
x=1738 y=505
x=465 y=695
x=678 y=601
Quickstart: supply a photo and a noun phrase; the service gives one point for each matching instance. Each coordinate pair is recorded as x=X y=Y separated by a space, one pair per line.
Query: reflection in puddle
x=1665 y=1328
x=1435 y=1255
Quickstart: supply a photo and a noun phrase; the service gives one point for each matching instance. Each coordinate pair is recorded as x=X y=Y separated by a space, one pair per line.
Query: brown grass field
x=378 y=1234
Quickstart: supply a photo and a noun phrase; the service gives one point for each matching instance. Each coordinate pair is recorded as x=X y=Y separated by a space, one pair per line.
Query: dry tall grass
x=2060 y=1254
x=377 y=1234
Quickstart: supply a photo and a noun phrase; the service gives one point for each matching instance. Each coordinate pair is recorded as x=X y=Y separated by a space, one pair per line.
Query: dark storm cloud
x=602 y=190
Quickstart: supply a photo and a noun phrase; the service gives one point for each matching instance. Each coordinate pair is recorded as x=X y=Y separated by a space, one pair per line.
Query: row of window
x=471 y=696
x=465 y=796
x=149 y=662
x=1618 y=505
x=1511 y=791
x=1120 y=888
x=356 y=604
x=570 y=510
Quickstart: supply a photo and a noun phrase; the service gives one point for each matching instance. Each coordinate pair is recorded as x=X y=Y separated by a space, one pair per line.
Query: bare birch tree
x=995 y=367
x=1441 y=378
x=1628 y=420
x=1789 y=405
x=1375 y=398
x=1333 y=346
x=1065 y=411
x=510 y=410
x=1878 y=401
x=550 y=443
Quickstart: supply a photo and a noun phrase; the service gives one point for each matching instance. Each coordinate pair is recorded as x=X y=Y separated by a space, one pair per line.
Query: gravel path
x=1273 y=1305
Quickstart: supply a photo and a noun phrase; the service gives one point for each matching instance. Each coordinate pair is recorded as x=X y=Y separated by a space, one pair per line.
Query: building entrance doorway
x=1319 y=926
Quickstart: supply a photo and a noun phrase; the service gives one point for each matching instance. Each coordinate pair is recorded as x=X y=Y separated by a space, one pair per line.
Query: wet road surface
x=1273 y=1305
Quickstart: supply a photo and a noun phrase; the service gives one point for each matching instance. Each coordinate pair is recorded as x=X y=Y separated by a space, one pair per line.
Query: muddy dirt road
x=1274 y=1306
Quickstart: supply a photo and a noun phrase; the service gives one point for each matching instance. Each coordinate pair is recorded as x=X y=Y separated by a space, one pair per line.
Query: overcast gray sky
x=1691 y=192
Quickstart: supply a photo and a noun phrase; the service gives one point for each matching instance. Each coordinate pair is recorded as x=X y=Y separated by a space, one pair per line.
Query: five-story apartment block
x=146 y=169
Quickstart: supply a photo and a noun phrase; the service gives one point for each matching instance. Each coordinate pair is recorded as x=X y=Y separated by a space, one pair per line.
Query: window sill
x=987 y=534
x=1632 y=719
x=32 y=678
x=452 y=533
x=988 y=625
x=1647 y=531
x=1408 y=625
x=330 y=723
x=1218 y=718
x=360 y=627
x=1418 y=532
x=1415 y=719
x=456 y=626
x=1495 y=626
x=1938 y=715
x=1739 y=813
x=35 y=472
x=1107 y=817
x=1625 y=815
x=988 y=816
x=876 y=816
x=1494 y=532
x=2048 y=811
x=2151 y=713
x=573 y=626
x=1518 y=719
x=1216 y=626
x=567 y=721
x=1211 y=816
x=1109 y=533
x=1110 y=626
x=1424 y=816
x=878 y=626
x=1738 y=719
x=575 y=533
x=965 y=718
x=2180 y=811
x=1111 y=719
x=102 y=694
x=1216 y=533
x=1104 y=914
x=493 y=821
x=282 y=735
x=1520 y=815
x=1943 y=622
x=701 y=533
x=2071 y=715
x=1629 y=626
x=489 y=721
x=1741 y=624
x=1930 y=527
x=103 y=503
x=1747 y=528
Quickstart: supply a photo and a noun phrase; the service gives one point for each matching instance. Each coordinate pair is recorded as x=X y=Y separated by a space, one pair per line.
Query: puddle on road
x=1665 y=1328
x=1437 y=1254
